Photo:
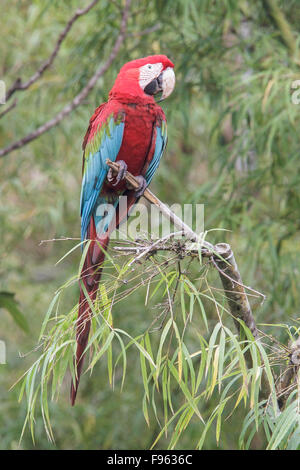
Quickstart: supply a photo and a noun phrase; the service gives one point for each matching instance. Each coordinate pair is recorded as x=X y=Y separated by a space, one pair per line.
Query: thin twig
x=58 y=240
x=152 y=246
x=150 y=30
x=18 y=84
x=81 y=96
x=10 y=107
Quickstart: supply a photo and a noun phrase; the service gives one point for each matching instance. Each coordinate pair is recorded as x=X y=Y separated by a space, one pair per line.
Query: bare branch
x=18 y=84
x=223 y=259
x=233 y=285
x=187 y=231
x=235 y=281
x=81 y=96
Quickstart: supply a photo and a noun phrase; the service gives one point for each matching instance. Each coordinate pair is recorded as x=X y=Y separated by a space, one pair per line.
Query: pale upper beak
x=168 y=82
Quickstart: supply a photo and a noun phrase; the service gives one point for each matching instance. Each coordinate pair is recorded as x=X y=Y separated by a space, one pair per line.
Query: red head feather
x=127 y=81
x=151 y=59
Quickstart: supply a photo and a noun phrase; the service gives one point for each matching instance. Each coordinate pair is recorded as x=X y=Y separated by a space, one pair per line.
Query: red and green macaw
x=129 y=128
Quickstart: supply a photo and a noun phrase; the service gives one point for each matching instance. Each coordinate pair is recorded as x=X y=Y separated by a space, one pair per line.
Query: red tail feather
x=90 y=277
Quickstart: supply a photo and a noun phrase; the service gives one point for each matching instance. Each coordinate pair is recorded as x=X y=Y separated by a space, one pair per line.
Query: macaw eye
x=149 y=66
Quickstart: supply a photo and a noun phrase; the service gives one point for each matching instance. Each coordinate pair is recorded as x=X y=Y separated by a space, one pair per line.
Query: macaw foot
x=113 y=178
x=142 y=186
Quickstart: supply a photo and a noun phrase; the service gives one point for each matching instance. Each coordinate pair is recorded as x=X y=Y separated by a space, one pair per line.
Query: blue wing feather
x=95 y=170
x=160 y=145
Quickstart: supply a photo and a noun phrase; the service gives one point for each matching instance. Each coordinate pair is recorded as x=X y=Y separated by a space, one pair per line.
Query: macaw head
x=146 y=77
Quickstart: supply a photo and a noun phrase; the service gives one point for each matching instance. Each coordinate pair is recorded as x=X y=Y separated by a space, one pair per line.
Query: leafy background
x=233 y=146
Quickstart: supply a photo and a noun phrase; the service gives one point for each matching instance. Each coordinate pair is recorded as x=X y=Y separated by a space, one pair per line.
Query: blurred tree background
x=233 y=145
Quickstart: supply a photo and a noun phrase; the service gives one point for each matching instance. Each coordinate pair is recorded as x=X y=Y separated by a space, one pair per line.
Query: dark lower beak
x=155 y=86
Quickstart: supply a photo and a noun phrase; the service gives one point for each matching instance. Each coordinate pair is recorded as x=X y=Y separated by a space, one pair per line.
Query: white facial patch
x=148 y=73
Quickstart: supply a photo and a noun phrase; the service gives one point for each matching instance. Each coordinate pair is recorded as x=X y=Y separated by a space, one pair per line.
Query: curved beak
x=164 y=83
x=167 y=82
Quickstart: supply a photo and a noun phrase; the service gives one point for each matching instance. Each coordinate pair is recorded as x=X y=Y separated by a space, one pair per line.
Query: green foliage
x=182 y=369
x=233 y=141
